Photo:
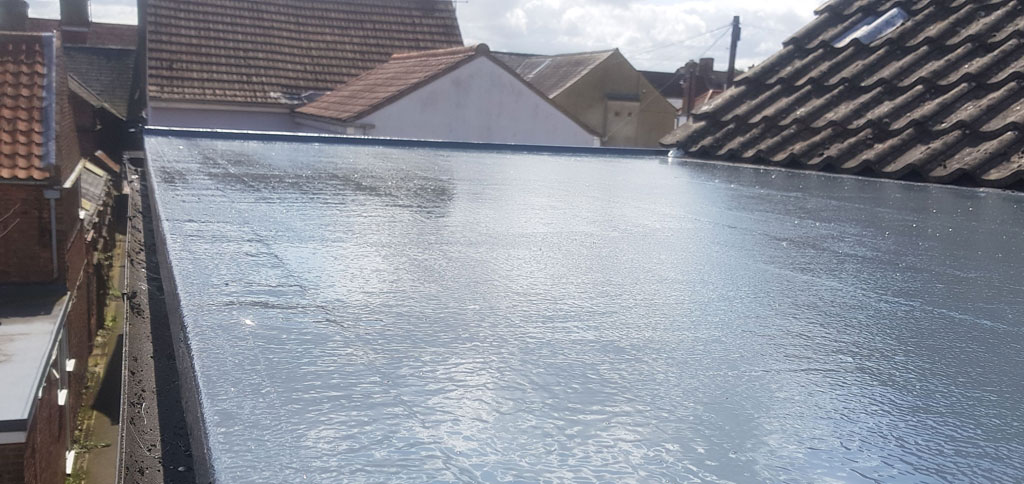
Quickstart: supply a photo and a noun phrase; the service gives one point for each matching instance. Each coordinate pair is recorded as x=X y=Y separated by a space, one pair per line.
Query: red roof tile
x=271 y=51
x=388 y=82
x=937 y=99
x=22 y=97
x=100 y=34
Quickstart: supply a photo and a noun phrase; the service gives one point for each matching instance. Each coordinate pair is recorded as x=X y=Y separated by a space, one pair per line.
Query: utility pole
x=732 y=51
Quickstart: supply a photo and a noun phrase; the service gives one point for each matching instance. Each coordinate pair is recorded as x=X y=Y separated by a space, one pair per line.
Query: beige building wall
x=615 y=100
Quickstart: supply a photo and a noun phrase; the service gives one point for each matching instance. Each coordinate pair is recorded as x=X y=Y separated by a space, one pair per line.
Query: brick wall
x=67 y=137
x=25 y=243
x=85 y=124
x=79 y=321
x=12 y=467
x=47 y=437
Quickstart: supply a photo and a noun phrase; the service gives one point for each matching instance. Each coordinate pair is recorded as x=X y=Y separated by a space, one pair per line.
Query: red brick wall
x=67 y=137
x=25 y=244
x=12 y=463
x=85 y=124
x=79 y=324
x=47 y=437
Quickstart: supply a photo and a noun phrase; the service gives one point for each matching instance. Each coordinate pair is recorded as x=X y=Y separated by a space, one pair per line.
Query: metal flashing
x=50 y=101
x=367 y=141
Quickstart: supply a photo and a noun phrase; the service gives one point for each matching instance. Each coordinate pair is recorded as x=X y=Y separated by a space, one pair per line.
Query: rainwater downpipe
x=52 y=195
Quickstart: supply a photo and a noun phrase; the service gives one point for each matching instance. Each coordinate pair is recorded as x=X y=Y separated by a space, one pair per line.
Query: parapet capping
x=191 y=394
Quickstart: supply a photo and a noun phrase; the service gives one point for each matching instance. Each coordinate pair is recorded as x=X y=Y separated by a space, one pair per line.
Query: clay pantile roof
x=552 y=74
x=273 y=51
x=106 y=71
x=938 y=99
x=401 y=75
x=23 y=86
x=100 y=34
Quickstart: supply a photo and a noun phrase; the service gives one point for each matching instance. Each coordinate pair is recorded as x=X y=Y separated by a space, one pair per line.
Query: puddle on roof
x=369 y=314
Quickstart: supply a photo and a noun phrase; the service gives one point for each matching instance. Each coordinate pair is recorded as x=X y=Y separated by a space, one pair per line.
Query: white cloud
x=653 y=34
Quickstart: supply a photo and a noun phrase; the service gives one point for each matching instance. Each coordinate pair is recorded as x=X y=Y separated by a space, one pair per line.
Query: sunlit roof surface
x=403 y=314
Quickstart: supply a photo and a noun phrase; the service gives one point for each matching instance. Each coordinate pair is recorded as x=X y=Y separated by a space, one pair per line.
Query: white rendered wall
x=478 y=102
x=226 y=118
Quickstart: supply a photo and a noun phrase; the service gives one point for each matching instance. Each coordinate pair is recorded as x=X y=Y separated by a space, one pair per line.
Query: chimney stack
x=13 y=15
x=707 y=68
x=75 y=21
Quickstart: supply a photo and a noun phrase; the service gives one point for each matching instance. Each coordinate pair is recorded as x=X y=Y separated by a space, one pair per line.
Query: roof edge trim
x=50 y=101
x=368 y=141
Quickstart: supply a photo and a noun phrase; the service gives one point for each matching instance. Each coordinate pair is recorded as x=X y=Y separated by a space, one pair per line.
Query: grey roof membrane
x=29 y=317
x=403 y=314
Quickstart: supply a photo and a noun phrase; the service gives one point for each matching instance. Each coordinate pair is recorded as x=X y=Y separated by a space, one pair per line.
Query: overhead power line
x=678 y=42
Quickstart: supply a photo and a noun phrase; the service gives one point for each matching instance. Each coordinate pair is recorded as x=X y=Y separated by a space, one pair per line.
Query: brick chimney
x=75 y=21
x=707 y=67
x=13 y=15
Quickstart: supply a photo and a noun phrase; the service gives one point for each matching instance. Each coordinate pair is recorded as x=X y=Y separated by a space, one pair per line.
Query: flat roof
x=29 y=322
x=414 y=313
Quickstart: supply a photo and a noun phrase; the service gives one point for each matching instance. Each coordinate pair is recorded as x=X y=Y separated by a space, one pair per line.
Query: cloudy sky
x=653 y=34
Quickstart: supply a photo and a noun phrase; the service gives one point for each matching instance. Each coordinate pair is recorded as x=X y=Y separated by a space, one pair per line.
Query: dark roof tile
x=552 y=74
x=106 y=71
x=939 y=98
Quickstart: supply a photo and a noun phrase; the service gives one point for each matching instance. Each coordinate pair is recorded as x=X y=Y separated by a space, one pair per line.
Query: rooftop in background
x=29 y=319
x=273 y=51
x=106 y=72
x=553 y=73
x=389 y=81
x=938 y=99
x=99 y=34
x=25 y=153
x=670 y=84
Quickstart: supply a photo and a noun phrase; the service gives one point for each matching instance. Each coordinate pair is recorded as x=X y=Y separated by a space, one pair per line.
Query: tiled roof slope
x=669 y=84
x=106 y=71
x=552 y=74
x=22 y=98
x=100 y=34
x=389 y=81
x=939 y=99
x=270 y=51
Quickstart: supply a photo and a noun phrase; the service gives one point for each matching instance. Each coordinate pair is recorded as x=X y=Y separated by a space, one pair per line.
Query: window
x=873 y=28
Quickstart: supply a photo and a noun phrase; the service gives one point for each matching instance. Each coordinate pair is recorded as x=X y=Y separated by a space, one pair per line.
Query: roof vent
x=873 y=28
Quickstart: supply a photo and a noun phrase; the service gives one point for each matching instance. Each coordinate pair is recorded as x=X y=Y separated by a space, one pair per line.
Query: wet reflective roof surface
x=388 y=314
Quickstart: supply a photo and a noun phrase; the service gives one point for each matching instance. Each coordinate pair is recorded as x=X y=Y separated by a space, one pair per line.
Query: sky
x=653 y=34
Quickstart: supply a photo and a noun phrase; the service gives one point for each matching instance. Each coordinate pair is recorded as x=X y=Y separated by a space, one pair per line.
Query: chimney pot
x=707 y=66
x=74 y=13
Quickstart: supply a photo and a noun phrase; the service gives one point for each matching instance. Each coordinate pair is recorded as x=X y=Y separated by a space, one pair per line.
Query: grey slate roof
x=938 y=99
x=106 y=71
x=669 y=84
x=552 y=74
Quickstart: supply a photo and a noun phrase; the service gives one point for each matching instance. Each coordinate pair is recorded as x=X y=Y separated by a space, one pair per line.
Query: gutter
x=125 y=328
x=50 y=101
